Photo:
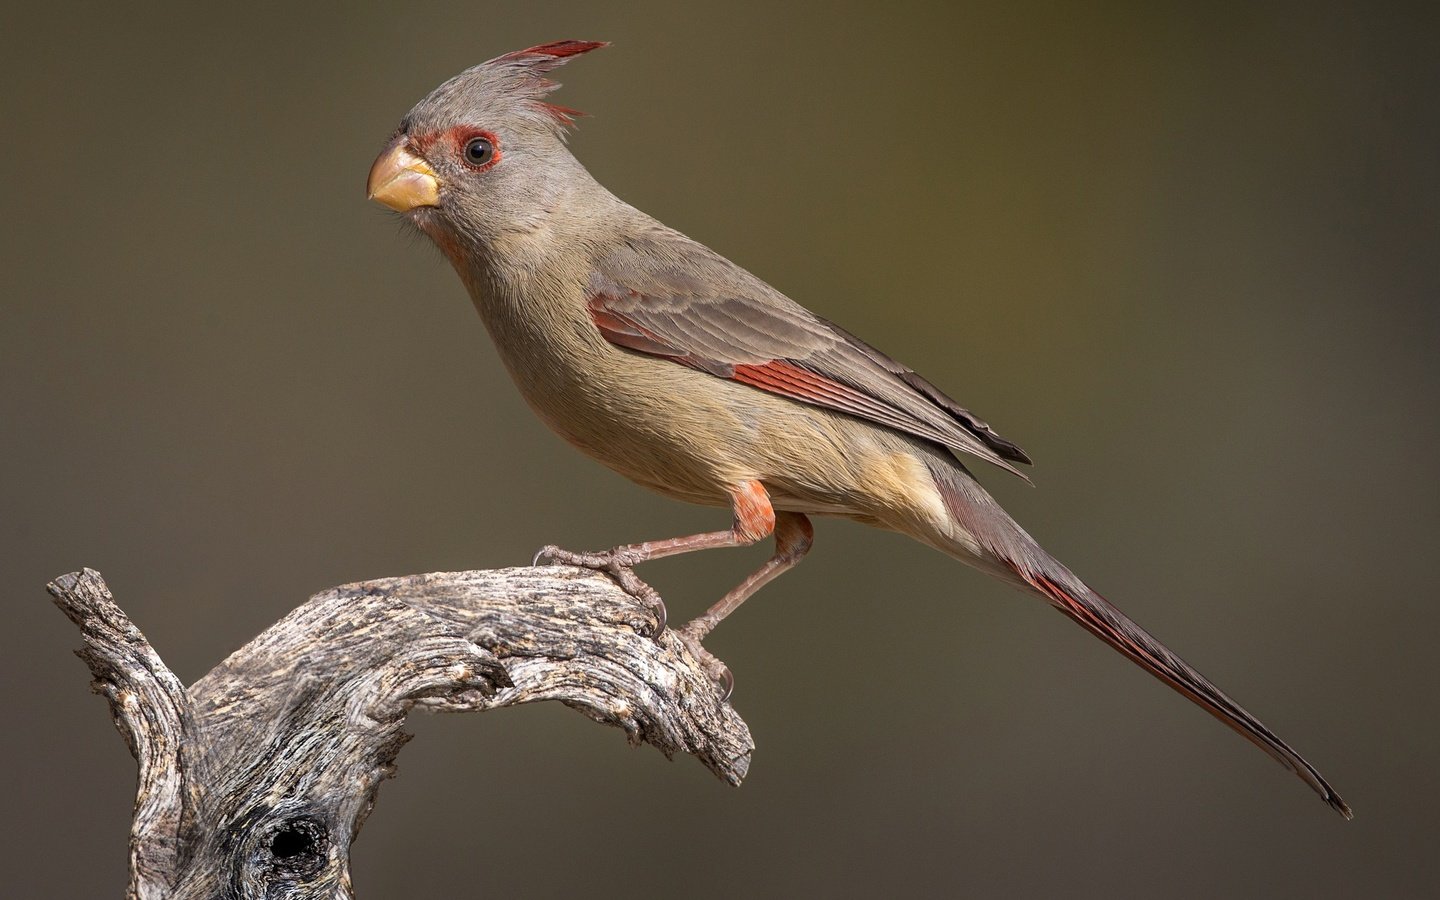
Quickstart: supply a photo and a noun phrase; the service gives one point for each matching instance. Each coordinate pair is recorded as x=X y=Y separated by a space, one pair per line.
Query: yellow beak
x=401 y=180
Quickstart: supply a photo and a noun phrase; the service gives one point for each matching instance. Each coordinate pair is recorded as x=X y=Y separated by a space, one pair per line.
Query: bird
x=679 y=369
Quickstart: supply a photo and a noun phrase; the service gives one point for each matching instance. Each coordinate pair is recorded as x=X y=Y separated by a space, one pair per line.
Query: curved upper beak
x=401 y=180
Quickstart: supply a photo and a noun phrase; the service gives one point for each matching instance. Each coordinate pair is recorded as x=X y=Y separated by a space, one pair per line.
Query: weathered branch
x=255 y=780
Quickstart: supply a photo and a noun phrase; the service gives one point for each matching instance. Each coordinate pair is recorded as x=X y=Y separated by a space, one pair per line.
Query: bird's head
x=484 y=155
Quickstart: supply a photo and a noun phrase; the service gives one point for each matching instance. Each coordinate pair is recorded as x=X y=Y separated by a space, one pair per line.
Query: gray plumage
x=686 y=373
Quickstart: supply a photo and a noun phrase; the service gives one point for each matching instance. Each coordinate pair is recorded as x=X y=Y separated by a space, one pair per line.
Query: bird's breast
x=651 y=420
x=691 y=435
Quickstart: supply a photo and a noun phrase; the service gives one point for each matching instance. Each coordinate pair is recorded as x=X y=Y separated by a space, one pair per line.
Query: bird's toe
x=719 y=672
x=618 y=564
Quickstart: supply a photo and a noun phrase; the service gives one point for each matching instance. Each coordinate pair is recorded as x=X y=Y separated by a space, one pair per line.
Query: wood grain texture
x=255 y=780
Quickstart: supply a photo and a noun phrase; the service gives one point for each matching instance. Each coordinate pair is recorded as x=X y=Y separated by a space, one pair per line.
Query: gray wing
x=669 y=297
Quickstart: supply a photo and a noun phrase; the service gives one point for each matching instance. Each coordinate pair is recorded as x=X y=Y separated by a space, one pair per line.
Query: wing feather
x=683 y=302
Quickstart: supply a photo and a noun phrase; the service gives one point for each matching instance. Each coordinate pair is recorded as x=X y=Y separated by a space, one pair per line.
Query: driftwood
x=255 y=780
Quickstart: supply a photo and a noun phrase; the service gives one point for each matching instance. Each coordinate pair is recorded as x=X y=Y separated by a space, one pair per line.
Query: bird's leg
x=754 y=519
x=793 y=538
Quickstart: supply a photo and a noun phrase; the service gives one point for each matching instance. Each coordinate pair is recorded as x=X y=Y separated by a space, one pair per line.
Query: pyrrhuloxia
x=684 y=372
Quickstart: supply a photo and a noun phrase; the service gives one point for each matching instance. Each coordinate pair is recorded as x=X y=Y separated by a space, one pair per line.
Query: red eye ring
x=479 y=150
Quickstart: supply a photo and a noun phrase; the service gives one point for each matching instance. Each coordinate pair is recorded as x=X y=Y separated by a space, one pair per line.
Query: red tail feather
x=1103 y=620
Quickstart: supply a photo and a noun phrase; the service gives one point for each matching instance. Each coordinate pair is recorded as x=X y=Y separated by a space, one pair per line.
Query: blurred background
x=1184 y=256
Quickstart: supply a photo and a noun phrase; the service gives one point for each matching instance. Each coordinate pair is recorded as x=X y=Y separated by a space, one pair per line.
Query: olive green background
x=1184 y=255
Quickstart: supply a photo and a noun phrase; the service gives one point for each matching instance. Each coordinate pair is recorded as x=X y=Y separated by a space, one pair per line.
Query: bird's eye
x=479 y=151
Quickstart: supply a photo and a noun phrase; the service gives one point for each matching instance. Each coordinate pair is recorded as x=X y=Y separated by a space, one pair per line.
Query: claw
x=727 y=683
x=617 y=565
x=719 y=672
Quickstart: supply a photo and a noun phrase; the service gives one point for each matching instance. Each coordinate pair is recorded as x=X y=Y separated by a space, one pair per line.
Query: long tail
x=1009 y=552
